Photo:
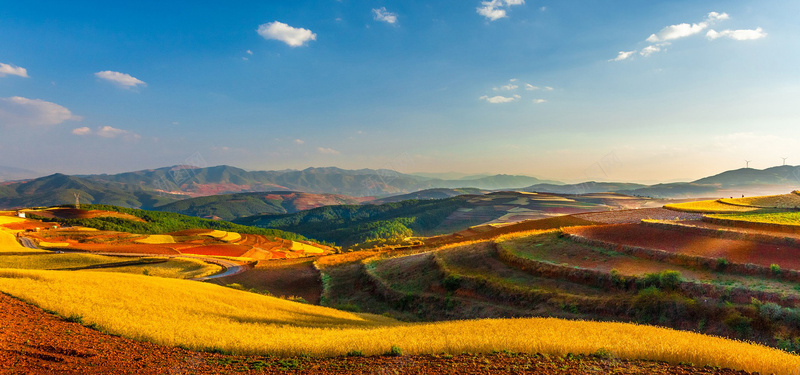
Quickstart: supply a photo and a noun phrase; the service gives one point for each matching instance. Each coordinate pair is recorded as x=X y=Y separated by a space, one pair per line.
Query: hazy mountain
x=14 y=174
x=745 y=181
x=439 y=193
x=781 y=175
x=359 y=183
x=584 y=187
x=231 y=206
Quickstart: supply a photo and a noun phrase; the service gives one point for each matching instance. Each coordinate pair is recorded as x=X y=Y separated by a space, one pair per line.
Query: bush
x=775 y=269
x=722 y=264
x=395 y=351
x=451 y=283
x=355 y=353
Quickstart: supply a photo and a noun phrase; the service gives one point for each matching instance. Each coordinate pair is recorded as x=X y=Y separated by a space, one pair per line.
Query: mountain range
x=162 y=187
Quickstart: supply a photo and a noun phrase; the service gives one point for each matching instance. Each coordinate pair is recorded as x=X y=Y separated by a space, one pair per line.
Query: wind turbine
x=748 y=163
x=784 y=161
x=77 y=200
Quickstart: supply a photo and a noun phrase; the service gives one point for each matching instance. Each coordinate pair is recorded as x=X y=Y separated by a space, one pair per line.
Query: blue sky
x=570 y=90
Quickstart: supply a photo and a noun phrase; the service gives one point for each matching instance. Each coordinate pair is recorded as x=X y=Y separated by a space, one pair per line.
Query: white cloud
x=539 y=101
x=294 y=37
x=21 y=111
x=381 y=14
x=497 y=9
x=548 y=88
x=329 y=151
x=530 y=87
x=509 y=87
x=112 y=132
x=121 y=79
x=299 y=141
x=499 y=99
x=82 y=131
x=623 y=55
x=647 y=51
x=758 y=33
x=6 y=69
x=684 y=29
x=249 y=52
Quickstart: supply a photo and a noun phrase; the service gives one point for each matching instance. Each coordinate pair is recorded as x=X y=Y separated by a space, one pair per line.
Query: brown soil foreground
x=35 y=342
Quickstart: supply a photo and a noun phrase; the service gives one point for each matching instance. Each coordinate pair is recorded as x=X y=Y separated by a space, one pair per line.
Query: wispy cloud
x=107 y=132
x=294 y=37
x=82 y=131
x=623 y=55
x=757 y=33
x=19 y=111
x=299 y=141
x=494 y=10
x=120 y=79
x=328 y=151
x=539 y=101
x=383 y=15
x=6 y=69
x=671 y=33
x=683 y=30
x=500 y=99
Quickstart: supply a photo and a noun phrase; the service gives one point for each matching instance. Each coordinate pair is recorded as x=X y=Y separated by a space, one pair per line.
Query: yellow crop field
x=9 y=244
x=55 y=261
x=767 y=201
x=298 y=246
x=176 y=268
x=46 y=244
x=712 y=206
x=155 y=239
x=10 y=219
x=215 y=233
x=206 y=316
x=231 y=237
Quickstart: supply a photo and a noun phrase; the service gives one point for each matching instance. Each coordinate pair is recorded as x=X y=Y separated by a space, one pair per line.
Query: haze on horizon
x=566 y=90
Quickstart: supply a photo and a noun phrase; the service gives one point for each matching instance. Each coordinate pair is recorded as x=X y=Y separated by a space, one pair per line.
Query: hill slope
x=231 y=206
x=58 y=189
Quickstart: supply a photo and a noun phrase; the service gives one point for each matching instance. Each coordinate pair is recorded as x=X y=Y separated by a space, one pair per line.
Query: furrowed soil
x=35 y=342
x=738 y=251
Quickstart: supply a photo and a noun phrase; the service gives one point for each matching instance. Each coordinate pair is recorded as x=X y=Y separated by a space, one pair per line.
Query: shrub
x=722 y=264
x=775 y=269
x=355 y=353
x=395 y=351
x=770 y=311
x=451 y=283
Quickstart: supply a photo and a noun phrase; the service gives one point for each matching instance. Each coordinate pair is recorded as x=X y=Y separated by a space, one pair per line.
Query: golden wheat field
x=206 y=316
x=710 y=206
x=9 y=244
x=768 y=201
x=155 y=239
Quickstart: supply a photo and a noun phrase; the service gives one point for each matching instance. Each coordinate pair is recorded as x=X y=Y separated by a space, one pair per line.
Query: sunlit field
x=205 y=316
x=711 y=206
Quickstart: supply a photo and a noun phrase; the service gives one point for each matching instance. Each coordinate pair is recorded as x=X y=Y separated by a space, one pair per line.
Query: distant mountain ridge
x=153 y=188
x=744 y=181
x=330 y=180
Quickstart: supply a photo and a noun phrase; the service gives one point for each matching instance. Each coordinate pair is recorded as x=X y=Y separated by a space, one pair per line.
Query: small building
x=21 y=214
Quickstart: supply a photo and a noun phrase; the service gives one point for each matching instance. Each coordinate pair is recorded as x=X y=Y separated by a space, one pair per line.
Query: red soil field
x=124 y=248
x=676 y=241
x=635 y=216
x=29 y=224
x=218 y=250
